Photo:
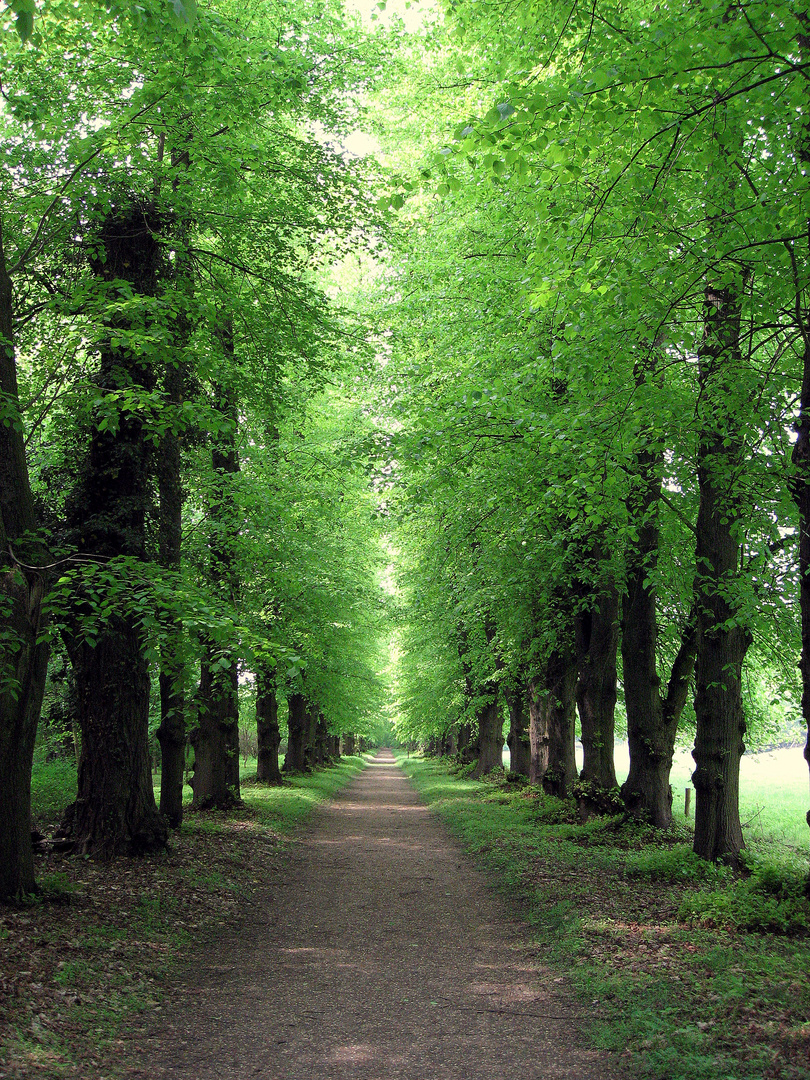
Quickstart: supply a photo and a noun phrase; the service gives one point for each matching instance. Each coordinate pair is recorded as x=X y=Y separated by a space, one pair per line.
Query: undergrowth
x=688 y=971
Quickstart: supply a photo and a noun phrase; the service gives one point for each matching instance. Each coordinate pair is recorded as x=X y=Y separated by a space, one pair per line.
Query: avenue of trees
x=184 y=465
x=600 y=367
x=549 y=355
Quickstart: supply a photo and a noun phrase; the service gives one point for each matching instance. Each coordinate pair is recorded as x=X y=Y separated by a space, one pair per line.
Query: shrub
x=53 y=787
x=745 y=907
x=676 y=863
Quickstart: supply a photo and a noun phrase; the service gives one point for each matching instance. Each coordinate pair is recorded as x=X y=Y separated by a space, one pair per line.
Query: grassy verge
x=86 y=961
x=688 y=971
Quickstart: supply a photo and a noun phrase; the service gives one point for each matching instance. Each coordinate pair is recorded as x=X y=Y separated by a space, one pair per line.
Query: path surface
x=381 y=955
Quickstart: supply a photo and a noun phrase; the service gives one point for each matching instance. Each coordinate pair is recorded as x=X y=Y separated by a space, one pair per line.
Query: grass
x=687 y=971
x=84 y=964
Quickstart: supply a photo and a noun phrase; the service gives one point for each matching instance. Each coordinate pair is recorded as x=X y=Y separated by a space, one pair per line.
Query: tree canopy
x=506 y=416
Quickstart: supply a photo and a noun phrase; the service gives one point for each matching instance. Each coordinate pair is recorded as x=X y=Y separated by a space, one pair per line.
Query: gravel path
x=379 y=954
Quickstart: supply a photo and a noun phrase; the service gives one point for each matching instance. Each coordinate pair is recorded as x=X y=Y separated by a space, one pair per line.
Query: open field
x=774 y=791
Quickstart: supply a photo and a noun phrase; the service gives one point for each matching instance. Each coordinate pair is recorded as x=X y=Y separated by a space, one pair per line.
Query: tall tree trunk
x=348 y=745
x=489 y=715
x=465 y=746
x=295 y=758
x=652 y=719
x=267 y=731
x=597 y=640
x=801 y=450
x=23 y=662
x=115 y=812
x=721 y=640
x=321 y=749
x=517 y=701
x=490 y=737
x=216 y=736
x=310 y=735
x=552 y=724
x=171 y=733
x=115 y=809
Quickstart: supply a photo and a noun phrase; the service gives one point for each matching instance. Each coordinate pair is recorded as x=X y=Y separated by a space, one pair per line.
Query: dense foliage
x=548 y=356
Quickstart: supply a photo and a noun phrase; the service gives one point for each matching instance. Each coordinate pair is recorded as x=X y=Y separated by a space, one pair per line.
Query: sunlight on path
x=381 y=954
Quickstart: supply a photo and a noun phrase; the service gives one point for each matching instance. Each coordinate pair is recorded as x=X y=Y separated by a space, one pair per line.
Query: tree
x=23 y=653
x=115 y=809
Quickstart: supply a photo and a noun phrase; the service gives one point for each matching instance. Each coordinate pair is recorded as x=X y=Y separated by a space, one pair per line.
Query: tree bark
x=115 y=809
x=552 y=724
x=517 y=701
x=597 y=640
x=23 y=660
x=267 y=731
x=800 y=486
x=216 y=736
x=465 y=746
x=115 y=812
x=321 y=751
x=311 y=716
x=215 y=733
x=652 y=719
x=295 y=758
x=348 y=745
x=171 y=733
x=490 y=737
x=722 y=641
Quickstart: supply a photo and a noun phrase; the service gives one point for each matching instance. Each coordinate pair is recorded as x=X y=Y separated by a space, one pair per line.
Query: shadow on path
x=382 y=955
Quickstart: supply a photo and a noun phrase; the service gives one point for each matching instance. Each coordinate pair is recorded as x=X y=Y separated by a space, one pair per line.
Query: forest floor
x=371 y=947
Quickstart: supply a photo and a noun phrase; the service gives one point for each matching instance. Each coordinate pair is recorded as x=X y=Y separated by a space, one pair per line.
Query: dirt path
x=382 y=955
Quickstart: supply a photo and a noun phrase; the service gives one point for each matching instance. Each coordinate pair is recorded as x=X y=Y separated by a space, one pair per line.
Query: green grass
x=283 y=807
x=687 y=971
x=53 y=787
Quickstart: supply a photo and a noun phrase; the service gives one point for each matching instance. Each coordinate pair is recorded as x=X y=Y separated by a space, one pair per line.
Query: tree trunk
x=23 y=662
x=295 y=758
x=721 y=640
x=115 y=809
x=216 y=737
x=466 y=747
x=348 y=745
x=518 y=739
x=115 y=812
x=490 y=737
x=310 y=735
x=652 y=720
x=597 y=639
x=801 y=493
x=800 y=486
x=552 y=725
x=171 y=733
x=321 y=744
x=268 y=735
